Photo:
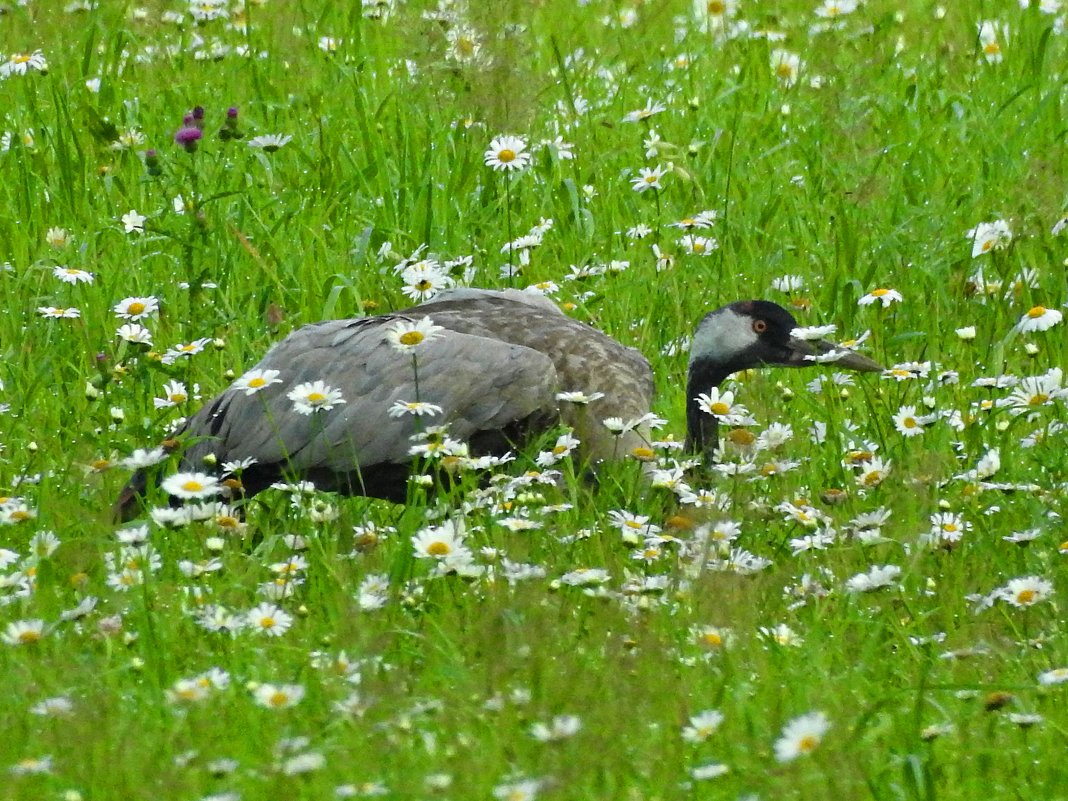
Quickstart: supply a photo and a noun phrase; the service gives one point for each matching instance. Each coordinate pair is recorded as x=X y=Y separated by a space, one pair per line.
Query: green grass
x=870 y=179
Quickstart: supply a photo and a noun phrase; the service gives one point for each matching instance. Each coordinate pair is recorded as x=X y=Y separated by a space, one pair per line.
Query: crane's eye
x=760 y=326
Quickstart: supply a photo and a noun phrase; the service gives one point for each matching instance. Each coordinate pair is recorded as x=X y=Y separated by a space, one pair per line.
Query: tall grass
x=903 y=129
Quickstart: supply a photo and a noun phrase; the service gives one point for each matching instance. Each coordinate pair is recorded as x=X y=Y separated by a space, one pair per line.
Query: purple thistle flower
x=230 y=129
x=188 y=136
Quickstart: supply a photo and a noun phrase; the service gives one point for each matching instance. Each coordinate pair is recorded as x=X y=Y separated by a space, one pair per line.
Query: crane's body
x=495 y=368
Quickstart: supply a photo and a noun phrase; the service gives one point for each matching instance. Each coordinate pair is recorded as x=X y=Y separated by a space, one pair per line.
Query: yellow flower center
x=257 y=382
x=719 y=407
x=465 y=45
x=651 y=179
x=135 y=308
x=1026 y=596
x=559 y=450
x=712 y=639
x=698 y=247
x=505 y=155
x=177 y=397
x=100 y=464
x=424 y=285
x=439 y=549
x=19 y=515
x=1036 y=312
x=769 y=469
x=741 y=437
x=412 y=338
x=227 y=521
x=716 y=7
x=267 y=622
x=872 y=478
x=784 y=70
x=808 y=744
x=22 y=58
x=992 y=49
x=278 y=698
x=1037 y=399
x=878 y=293
x=909 y=422
x=29 y=636
x=950 y=528
x=642 y=453
x=192 y=486
x=316 y=397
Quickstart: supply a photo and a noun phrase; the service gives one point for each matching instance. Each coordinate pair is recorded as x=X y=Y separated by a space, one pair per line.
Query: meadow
x=862 y=598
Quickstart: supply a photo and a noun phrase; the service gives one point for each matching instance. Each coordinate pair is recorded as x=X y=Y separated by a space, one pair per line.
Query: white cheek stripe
x=723 y=335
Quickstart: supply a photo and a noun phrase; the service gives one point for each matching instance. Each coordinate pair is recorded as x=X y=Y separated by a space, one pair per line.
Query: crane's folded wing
x=481 y=384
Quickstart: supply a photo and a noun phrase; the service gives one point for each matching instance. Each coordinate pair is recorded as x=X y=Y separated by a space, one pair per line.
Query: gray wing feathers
x=471 y=295
x=501 y=359
x=480 y=384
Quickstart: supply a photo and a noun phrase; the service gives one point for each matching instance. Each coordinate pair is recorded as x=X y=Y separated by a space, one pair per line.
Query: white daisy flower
x=407 y=336
x=314 y=396
x=507 y=154
x=1039 y=318
x=988 y=236
x=255 y=380
x=801 y=736
x=191 y=485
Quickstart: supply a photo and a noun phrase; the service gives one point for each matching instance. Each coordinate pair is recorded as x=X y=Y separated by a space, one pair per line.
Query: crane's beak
x=806 y=353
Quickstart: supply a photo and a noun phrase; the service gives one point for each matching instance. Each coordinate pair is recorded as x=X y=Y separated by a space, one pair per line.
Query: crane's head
x=745 y=334
x=751 y=333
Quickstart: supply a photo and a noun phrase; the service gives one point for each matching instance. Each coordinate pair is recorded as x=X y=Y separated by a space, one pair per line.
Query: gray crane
x=496 y=369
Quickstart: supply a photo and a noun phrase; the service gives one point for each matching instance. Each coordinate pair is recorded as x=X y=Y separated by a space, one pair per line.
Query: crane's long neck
x=701 y=428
